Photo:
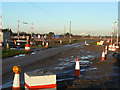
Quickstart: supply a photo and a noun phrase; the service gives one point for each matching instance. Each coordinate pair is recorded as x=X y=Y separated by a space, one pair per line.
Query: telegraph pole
x=70 y=34
x=64 y=30
x=18 y=30
x=31 y=31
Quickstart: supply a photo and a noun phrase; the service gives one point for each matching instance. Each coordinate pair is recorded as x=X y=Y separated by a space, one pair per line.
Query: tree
x=51 y=34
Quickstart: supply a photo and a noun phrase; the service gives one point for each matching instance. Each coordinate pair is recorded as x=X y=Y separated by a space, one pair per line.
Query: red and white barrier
x=38 y=80
x=110 y=47
x=117 y=47
x=113 y=48
x=27 y=47
x=77 y=67
x=103 y=56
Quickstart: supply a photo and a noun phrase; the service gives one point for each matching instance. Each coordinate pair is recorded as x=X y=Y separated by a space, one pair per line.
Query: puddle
x=58 y=67
x=71 y=56
x=33 y=53
x=12 y=48
x=77 y=46
x=37 y=70
x=60 y=59
x=21 y=55
x=64 y=79
x=82 y=70
x=88 y=51
x=87 y=57
x=16 y=56
x=81 y=50
x=83 y=65
x=81 y=61
x=9 y=84
x=84 y=57
x=67 y=71
x=6 y=85
x=92 y=68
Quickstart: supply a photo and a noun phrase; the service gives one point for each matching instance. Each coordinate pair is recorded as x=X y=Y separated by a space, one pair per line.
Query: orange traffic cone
x=43 y=43
x=105 y=51
x=85 y=42
x=60 y=41
x=77 y=68
x=16 y=82
x=47 y=44
x=0 y=44
x=103 y=56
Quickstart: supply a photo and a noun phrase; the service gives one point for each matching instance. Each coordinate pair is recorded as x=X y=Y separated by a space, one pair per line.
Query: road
x=8 y=63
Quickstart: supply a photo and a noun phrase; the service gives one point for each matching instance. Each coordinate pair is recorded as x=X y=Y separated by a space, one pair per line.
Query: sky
x=94 y=18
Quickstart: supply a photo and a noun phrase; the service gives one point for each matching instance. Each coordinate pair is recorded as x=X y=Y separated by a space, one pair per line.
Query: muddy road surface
x=94 y=72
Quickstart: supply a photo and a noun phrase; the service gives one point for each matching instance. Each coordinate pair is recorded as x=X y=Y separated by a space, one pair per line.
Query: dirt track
x=94 y=73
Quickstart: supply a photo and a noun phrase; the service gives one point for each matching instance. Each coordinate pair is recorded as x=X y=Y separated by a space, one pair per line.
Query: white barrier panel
x=39 y=80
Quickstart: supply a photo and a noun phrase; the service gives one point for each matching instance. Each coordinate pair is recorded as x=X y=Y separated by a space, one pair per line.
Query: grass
x=37 y=46
x=93 y=42
x=9 y=53
x=73 y=41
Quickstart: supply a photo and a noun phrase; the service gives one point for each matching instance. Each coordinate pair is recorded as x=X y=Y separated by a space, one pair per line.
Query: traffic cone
x=85 y=42
x=103 y=56
x=110 y=47
x=60 y=41
x=43 y=43
x=105 y=51
x=47 y=44
x=0 y=44
x=16 y=82
x=18 y=44
x=77 y=68
x=15 y=42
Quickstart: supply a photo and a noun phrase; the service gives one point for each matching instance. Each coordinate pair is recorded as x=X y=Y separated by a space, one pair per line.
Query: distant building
x=57 y=36
x=6 y=36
